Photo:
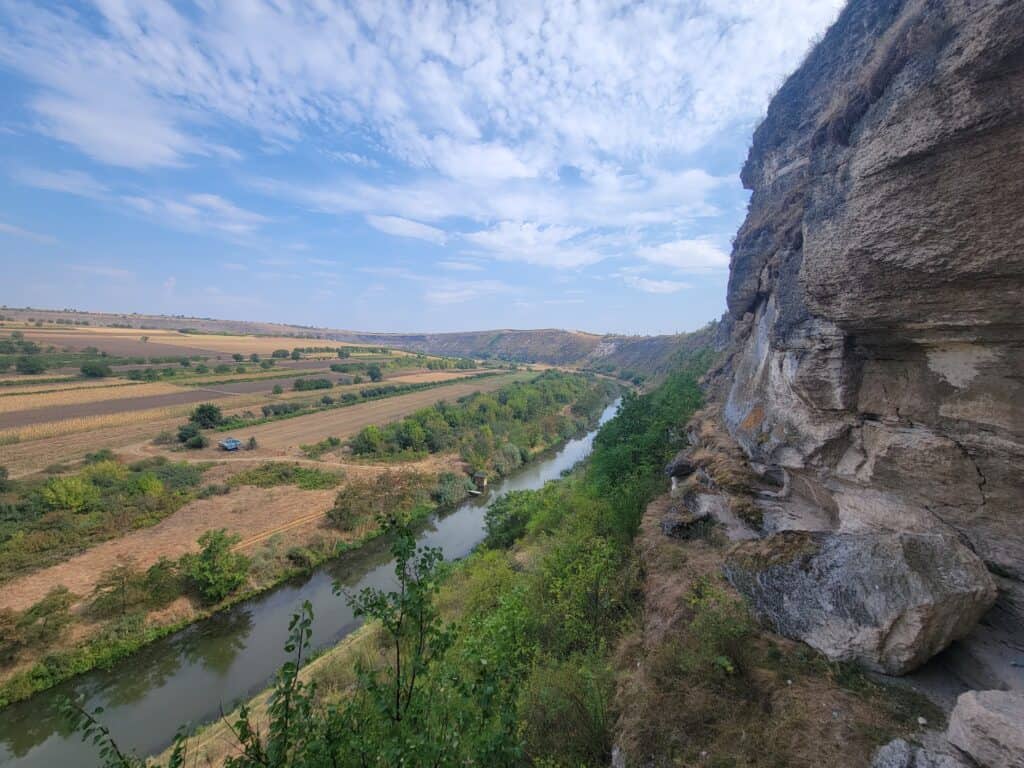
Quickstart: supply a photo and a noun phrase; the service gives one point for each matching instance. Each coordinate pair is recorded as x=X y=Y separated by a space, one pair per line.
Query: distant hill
x=646 y=355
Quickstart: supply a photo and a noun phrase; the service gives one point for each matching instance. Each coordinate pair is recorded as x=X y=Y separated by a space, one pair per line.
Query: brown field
x=71 y=414
x=124 y=343
x=76 y=396
x=65 y=386
x=245 y=511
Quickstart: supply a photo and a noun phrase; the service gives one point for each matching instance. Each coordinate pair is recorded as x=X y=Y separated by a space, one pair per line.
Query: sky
x=385 y=166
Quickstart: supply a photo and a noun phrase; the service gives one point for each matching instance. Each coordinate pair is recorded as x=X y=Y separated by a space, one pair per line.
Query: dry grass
x=79 y=396
x=63 y=386
x=49 y=429
x=781 y=705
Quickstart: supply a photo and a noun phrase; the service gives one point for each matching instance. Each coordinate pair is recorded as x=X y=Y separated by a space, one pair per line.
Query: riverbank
x=353 y=554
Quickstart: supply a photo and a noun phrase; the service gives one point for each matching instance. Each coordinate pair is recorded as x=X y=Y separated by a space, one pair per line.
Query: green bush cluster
x=287 y=473
x=492 y=431
x=52 y=519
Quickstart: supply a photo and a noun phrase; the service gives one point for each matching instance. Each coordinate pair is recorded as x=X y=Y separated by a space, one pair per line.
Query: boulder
x=899 y=753
x=683 y=523
x=680 y=466
x=989 y=726
x=889 y=601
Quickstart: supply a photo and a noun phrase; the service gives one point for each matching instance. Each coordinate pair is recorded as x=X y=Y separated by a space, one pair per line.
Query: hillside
x=644 y=354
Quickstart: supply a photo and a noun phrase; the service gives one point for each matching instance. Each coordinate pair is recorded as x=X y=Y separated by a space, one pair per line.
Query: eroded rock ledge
x=874 y=381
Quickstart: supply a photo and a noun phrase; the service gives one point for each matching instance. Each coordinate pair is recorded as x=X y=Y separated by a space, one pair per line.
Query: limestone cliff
x=875 y=373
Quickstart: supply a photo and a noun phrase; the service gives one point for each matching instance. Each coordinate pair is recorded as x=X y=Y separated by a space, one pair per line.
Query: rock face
x=889 y=601
x=898 y=753
x=875 y=293
x=989 y=726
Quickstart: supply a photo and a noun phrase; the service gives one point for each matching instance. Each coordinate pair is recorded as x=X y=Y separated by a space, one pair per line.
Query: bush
x=505 y=520
x=96 y=369
x=5 y=482
x=280 y=354
x=375 y=373
x=30 y=365
x=196 y=442
x=286 y=473
x=277 y=390
x=187 y=431
x=215 y=572
x=303 y=385
x=207 y=416
x=451 y=489
x=251 y=445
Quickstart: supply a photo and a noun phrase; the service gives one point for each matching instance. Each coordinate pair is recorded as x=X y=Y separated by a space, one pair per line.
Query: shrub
x=280 y=354
x=505 y=520
x=215 y=572
x=326 y=400
x=277 y=390
x=303 y=385
x=96 y=369
x=375 y=373
x=296 y=354
x=222 y=368
x=207 y=416
x=286 y=473
x=451 y=489
x=30 y=365
x=70 y=494
x=166 y=437
x=196 y=442
x=187 y=431
x=251 y=445
x=5 y=482
x=238 y=357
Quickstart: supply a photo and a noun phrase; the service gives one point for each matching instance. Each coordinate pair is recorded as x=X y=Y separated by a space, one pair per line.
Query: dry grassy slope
x=645 y=354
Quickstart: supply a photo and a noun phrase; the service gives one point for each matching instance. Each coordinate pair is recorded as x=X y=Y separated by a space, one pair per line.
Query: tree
x=296 y=354
x=96 y=369
x=30 y=365
x=215 y=572
x=277 y=390
x=343 y=353
x=280 y=354
x=119 y=589
x=72 y=494
x=5 y=482
x=196 y=442
x=374 y=373
x=238 y=357
x=207 y=416
x=187 y=431
x=254 y=358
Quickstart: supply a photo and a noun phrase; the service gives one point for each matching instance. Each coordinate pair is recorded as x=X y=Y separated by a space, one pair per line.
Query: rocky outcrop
x=989 y=726
x=899 y=753
x=889 y=601
x=876 y=359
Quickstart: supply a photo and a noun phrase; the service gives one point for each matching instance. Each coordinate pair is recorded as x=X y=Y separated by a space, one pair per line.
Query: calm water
x=189 y=676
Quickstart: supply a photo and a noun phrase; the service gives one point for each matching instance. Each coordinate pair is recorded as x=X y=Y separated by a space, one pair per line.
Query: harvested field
x=109 y=406
x=65 y=386
x=55 y=400
x=246 y=511
x=125 y=344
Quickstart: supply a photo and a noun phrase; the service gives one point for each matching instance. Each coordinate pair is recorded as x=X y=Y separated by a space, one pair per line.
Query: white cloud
x=550 y=246
x=460 y=266
x=70 y=182
x=26 y=234
x=395 y=225
x=699 y=255
x=654 y=286
x=198 y=212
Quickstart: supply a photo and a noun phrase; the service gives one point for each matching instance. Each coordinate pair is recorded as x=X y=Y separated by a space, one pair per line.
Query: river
x=188 y=677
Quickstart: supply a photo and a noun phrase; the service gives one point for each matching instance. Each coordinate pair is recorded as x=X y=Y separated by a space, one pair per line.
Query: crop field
x=345 y=422
x=75 y=396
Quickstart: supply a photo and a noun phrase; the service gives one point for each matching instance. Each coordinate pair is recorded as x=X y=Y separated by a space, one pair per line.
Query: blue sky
x=387 y=166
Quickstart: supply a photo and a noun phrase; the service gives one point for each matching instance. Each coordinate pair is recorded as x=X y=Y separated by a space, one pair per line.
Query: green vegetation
x=304 y=385
x=53 y=519
x=501 y=661
x=317 y=450
x=215 y=572
x=361 y=501
x=493 y=432
x=207 y=416
x=283 y=473
x=96 y=369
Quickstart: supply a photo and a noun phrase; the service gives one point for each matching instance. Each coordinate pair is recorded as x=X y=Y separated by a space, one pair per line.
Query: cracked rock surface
x=875 y=294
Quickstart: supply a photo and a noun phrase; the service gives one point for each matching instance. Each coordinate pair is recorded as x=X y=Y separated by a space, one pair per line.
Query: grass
x=275 y=473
